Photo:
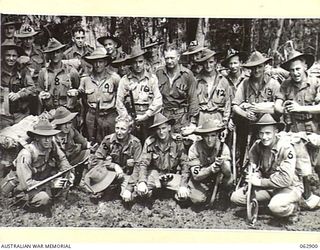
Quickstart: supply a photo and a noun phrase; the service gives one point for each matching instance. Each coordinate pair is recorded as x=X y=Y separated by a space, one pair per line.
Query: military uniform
x=37 y=62
x=156 y=161
x=307 y=93
x=214 y=95
x=179 y=95
x=234 y=84
x=120 y=154
x=280 y=184
x=13 y=81
x=201 y=182
x=153 y=65
x=146 y=95
x=34 y=166
x=104 y=93
x=57 y=83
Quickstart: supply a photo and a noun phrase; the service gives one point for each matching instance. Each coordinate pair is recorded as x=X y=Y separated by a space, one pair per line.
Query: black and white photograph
x=160 y=122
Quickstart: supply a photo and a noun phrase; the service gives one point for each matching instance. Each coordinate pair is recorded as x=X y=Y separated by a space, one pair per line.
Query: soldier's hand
x=254 y=179
x=118 y=170
x=231 y=125
x=183 y=193
x=293 y=106
x=71 y=178
x=215 y=168
x=165 y=178
x=13 y=96
x=60 y=182
x=141 y=118
x=130 y=163
x=44 y=95
x=142 y=188
x=73 y=92
x=126 y=195
x=251 y=115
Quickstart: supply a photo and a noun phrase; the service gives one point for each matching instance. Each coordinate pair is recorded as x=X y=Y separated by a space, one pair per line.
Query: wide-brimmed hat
x=206 y=54
x=294 y=55
x=231 y=53
x=98 y=53
x=266 y=120
x=208 y=126
x=25 y=30
x=62 y=116
x=193 y=48
x=135 y=52
x=53 y=45
x=161 y=119
x=10 y=20
x=255 y=59
x=120 y=61
x=110 y=36
x=43 y=127
x=154 y=41
x=7 y=44
x=99 y=178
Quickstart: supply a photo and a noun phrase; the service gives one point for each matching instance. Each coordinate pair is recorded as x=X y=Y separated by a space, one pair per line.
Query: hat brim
x=55 y=49
x=18 y=35
x=152 y=45
x=309 y=60
x=91 y=59
x=50 y=132
x=103 y=184
x=118 y=63
x=64 y=120
x=169 y=121
x=15 y=47
x=279 y=125
x=131 y=57
x=16 y=24
x=186 y=53
x=200 y=131
x=205 y=58
x=117 y=40
x=242 y=55
x=256 y=63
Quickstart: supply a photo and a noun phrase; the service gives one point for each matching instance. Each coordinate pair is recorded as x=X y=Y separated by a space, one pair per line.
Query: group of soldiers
x=135 y=123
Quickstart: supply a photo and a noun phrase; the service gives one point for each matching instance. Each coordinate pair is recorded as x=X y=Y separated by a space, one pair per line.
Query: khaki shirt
x=34 y=165
x=200 y=158
x=235 y=84
x=14 y=81
x=167 y=160
x=182 y=93
x=57 y=83
x=104 y=91
x=74 y=52
x=246 y=92
x=37 y=62
x=145 y=91
x=277 y=166
x=219 y=97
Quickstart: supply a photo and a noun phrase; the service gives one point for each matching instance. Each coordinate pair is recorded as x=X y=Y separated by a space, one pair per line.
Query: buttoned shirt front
x=103 y=91
x=182 y=93
x=234 y=84
x=145 y=91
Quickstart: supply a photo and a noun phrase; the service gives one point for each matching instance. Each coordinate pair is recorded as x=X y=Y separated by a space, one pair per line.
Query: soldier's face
x=258 y=71
x=234 y=64
x=56 y=56
x=10 y=57
x=298 y=70
x=123 y=70
x=210 y=65
x=110 y=46
x=122 y=130
x=78 y=39
x=45 y=142
x=27 y=42
x=9 y=31
x=211 y=139
x=65 y=128
x=171 y=58
x=138 y=64
x=196 y=56
x=163 y=131
x=267 y=135
x=99 y=65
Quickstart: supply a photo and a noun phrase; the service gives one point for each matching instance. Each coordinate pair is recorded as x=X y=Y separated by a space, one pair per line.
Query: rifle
x=133 y=107
x=95 y=124
x=84 y=100
x=234 y=145
x=219 y=175
x=55 y=176
x=252 y=203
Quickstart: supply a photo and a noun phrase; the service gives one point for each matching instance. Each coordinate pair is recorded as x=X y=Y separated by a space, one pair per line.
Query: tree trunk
x=202 y=30
x=278 y=35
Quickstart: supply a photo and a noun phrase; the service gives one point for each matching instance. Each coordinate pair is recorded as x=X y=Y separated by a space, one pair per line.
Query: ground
x=79 y=211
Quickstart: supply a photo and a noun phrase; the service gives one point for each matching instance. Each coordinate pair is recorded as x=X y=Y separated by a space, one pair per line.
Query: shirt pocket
x=219 y=97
